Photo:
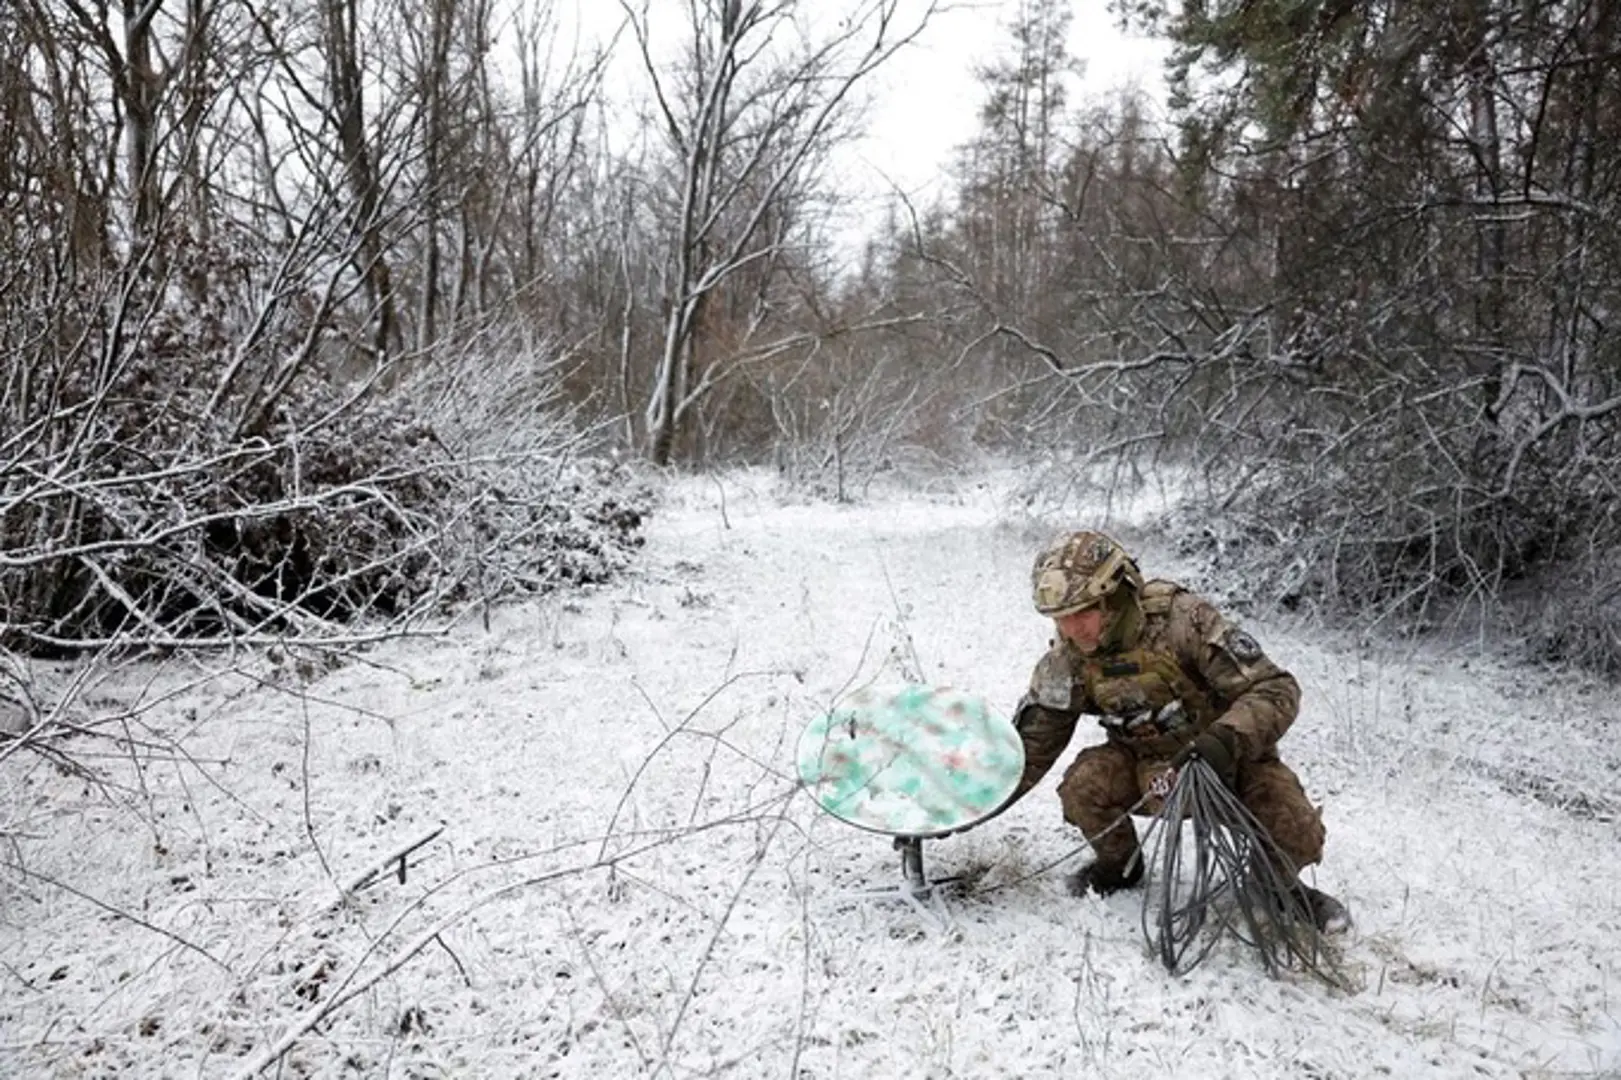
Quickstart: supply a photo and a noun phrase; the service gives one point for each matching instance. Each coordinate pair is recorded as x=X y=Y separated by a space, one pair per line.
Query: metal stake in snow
x=915 y=763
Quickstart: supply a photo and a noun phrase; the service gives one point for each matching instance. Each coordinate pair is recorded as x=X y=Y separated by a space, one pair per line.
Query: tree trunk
x=143 y=86
x=1491 y=234
x=435 y=78
x=345 y=83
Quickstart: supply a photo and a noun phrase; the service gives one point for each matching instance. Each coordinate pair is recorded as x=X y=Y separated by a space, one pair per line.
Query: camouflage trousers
x=1106 y=781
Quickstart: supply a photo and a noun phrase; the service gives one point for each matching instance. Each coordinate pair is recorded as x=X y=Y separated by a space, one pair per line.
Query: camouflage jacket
x=1187 y=668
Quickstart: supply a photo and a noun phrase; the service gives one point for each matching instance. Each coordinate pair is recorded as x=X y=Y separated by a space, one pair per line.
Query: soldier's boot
x=1105 y=878
x=1331 y=916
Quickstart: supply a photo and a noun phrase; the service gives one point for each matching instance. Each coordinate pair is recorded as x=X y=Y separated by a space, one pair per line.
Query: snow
x=630 y=883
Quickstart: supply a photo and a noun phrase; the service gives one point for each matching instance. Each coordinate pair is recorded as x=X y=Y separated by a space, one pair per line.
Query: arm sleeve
x=1045 y=718
x=1045 y=732
x=1262 y=698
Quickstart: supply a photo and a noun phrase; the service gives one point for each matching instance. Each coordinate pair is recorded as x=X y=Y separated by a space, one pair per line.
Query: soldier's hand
x=1216 y=746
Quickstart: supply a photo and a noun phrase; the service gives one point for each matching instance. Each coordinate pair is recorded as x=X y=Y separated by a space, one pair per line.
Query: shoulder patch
x=1240 y=646
x=1053 y=683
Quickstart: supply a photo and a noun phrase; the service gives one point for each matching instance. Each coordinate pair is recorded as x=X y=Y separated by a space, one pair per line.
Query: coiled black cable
x=1233 y=879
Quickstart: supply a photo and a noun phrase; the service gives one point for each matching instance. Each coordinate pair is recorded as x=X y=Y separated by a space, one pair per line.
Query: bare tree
x=254 y=452
x=342 y=46
x=745 y=115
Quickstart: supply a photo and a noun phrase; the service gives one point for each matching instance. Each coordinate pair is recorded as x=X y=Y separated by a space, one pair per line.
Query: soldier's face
x=1083 y=629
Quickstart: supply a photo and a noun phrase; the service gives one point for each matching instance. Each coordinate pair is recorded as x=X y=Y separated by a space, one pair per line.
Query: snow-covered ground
x=628 y=881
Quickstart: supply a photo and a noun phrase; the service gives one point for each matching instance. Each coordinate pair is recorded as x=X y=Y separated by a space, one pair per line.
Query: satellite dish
x=915 y=763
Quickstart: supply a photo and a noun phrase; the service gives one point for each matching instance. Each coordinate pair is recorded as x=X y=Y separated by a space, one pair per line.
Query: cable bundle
x=1237 y=880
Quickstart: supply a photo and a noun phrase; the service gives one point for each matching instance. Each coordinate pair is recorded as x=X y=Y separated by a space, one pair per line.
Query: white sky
x=928 y=98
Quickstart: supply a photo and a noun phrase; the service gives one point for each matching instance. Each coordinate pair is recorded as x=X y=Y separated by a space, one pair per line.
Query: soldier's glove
x=1216 y=746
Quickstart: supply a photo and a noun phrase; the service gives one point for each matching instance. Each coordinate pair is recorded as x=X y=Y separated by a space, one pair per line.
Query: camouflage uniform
x=1169 y=667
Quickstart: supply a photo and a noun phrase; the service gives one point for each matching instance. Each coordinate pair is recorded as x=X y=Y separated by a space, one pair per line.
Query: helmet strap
x=1125 y=623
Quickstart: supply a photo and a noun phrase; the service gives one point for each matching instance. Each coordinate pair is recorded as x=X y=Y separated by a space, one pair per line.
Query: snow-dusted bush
x=169 y=475
x=1395 y=513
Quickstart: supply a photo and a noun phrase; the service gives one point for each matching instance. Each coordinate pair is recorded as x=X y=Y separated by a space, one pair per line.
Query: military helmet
x=1079 y=570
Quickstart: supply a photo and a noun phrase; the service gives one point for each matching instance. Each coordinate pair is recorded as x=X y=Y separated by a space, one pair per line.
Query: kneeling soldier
x=1170 y=679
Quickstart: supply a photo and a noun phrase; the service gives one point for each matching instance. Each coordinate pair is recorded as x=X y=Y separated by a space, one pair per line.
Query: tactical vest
x=1150 y=704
